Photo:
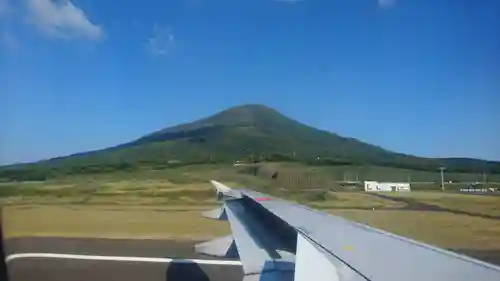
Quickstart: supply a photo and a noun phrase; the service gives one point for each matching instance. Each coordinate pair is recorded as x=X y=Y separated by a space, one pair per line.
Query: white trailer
x=371 y=186
x=387 y=186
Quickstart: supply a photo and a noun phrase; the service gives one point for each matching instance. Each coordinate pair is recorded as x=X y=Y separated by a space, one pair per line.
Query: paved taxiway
x=102 y=263
x=129 y=268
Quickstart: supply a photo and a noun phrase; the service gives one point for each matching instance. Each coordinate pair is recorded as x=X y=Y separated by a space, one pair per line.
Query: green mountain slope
x=250 y=132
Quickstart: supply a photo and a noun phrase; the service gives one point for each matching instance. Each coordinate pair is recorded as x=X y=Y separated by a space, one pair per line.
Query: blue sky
x=414 y=76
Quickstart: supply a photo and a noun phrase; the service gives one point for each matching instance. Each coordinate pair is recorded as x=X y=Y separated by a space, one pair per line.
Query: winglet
x=220 y=187
x=222 y=190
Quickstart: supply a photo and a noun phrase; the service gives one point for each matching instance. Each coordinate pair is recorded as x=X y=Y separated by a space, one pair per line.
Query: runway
x=113 y=259
x=80 y=259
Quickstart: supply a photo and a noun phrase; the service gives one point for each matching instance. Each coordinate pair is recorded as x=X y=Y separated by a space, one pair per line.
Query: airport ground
x=98 y=259
x=134 y=230
x=167 y=232
x=159 y=215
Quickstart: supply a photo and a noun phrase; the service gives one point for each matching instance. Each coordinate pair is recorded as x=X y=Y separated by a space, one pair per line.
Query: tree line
x=74 y=166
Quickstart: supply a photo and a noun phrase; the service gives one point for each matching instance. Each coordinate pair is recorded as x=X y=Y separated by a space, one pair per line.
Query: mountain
x=250 y=132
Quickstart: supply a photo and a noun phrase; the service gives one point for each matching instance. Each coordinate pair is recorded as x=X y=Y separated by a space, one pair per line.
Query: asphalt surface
x=45 y=269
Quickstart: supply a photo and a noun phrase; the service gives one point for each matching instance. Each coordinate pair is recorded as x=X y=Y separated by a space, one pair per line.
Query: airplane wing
x=280 y=240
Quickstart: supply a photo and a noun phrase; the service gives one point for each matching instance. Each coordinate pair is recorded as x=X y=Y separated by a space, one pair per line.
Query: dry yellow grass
x=115 y=199
x=109 y=222
x=150 y=209
x=185 y=222
x=438 y=228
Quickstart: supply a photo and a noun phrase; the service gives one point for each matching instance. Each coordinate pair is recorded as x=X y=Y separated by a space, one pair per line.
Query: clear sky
x=414 y=76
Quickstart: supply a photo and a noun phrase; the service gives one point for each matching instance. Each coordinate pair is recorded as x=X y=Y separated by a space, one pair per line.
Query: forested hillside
x=250 y=133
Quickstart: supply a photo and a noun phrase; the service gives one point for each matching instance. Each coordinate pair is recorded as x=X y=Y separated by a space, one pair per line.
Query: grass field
x=290 y=175
x=331 y=200
x=110 y=222
x=348 y=200
x=185 y=222
x=437 y=228
x=168 y=203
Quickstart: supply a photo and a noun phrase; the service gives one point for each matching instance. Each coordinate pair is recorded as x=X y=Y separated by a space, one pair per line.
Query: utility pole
x=442 y=177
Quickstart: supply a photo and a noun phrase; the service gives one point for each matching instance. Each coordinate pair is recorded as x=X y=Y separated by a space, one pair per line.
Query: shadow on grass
x=414 y=205
x=489 y=256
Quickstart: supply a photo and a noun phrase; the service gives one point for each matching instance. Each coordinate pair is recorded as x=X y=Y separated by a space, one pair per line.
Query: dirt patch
x=415 y=205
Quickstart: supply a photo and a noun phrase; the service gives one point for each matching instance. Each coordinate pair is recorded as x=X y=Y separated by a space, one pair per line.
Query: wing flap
x=280 y=240
x=256 y=245
x=314 y=263
x=367 y=250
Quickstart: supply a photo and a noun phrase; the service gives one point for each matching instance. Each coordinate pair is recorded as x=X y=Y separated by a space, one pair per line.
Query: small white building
x=387 y=186
x=371 y=186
